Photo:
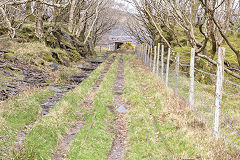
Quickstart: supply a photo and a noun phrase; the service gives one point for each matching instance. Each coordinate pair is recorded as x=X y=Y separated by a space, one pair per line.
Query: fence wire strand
x=204 y=101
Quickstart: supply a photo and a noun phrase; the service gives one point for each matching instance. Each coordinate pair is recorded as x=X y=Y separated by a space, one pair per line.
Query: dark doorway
x=118 y=45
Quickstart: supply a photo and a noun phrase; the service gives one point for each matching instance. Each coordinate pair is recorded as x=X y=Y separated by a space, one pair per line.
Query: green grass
x=186 y=134
x=64 y=74
x=18 y=112
x=44 y=135
x=139 y=120
x=100 y=136
x=230 y=56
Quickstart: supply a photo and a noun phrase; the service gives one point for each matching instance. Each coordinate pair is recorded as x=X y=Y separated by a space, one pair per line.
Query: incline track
x=120 y=131
x=64 y=143
x=52 y=101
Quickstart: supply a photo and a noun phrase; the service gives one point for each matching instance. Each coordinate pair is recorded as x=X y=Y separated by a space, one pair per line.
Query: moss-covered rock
x=60 y=47
x=73 y=55
x=48 y=57
x=57 y=38
x=31 y=18
x=27 y=34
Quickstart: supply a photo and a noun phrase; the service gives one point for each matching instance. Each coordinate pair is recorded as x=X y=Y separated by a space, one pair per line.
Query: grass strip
x=142 y=141
x=188 y=136
x=100 y=137
x=43 y=137
x=18 y=112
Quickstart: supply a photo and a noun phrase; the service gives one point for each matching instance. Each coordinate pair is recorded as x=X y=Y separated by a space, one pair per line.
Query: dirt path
x=64 y=143
x=119 y=108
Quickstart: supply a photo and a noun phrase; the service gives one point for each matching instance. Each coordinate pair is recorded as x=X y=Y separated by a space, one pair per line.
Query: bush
x=127 y=45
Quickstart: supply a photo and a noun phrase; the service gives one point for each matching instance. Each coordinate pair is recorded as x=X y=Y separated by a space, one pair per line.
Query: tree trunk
x=211 y=30
x=238 y=7
x=71 y=15
x=81 y=35
x=238 y=57
x=94 y=21
x=39 y=21
x=55 y=14
x=81 y=24
x=8 y=23
x=78 y=28
x=28 y=8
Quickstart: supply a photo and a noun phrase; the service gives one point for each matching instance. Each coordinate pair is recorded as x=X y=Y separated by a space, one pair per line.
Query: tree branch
x=215 y=63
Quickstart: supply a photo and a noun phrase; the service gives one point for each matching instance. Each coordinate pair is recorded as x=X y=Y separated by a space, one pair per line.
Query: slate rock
x=121 y=108
x=55 y=67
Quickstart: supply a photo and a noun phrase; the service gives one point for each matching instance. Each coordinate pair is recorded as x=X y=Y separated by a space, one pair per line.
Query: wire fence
x=205 y=99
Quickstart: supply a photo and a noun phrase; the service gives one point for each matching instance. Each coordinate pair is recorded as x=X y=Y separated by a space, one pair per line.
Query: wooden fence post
x=158 y=55
x=139 y=50
x=177 y=71
x=145 y=54
x=136 y=49
x=150 y=66
x=167 y=71
x=154 y=60
x=219 y=86
x=143 y=49
x=148 y=54
x=162 y=61
x=191 y=90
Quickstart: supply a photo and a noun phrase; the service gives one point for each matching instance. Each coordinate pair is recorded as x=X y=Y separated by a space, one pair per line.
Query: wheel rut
x=119 y=109
x=75 y=80
x=64 y=144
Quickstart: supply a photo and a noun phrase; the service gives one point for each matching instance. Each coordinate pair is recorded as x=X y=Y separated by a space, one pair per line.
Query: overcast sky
x=127 y=6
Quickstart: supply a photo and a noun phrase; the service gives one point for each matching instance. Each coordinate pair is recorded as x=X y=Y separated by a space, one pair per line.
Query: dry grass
x=32 y=50
x=194 y=137
x=102 y=49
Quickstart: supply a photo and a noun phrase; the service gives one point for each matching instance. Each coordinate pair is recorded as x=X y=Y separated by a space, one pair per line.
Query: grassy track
x=18 y=112
x=43 y=137
x=187 y=135
x=100 y=136
x=139 y=121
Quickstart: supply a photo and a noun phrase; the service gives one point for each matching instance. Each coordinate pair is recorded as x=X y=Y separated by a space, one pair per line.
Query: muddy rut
x=64 y=143
x=119 y=109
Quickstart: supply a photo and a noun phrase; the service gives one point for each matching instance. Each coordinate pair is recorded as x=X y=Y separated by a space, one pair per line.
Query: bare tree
x=108 y=18
x=213 y=19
